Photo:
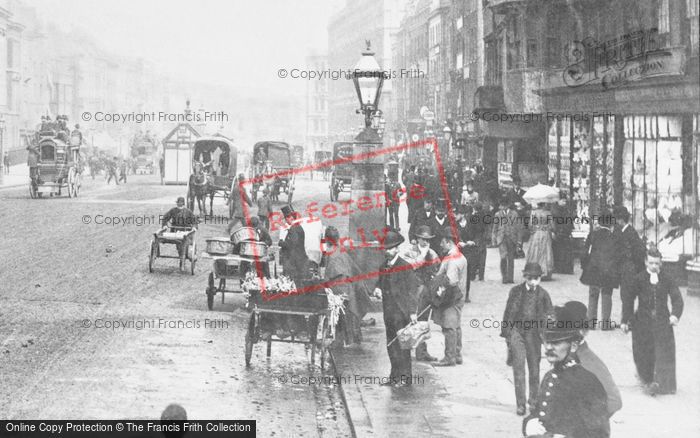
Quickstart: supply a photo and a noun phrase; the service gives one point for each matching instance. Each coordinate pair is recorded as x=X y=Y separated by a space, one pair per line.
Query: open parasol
x=541 y=193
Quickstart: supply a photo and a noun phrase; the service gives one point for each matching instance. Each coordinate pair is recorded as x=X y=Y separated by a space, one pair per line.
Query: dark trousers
x=111 y=175
x=453 y=343
x=122 y=177
x=606 y=306
x=264 y=221
x=507 y=250
x=525 y=349
x=393 y=212
x=400 y=359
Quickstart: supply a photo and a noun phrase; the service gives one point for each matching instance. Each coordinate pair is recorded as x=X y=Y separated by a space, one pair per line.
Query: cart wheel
x=193 y=257
x=152 y=255
x=211 y=291
x=70 y=184
x=324 y=343
x=249 y=340
x=183 y=257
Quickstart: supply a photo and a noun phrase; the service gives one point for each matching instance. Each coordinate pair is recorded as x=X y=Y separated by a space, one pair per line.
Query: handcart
x=226 y=266
x=177 y=236
x=294 y=319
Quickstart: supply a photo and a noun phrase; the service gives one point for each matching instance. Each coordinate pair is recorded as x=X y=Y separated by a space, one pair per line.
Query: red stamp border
x=363 y=156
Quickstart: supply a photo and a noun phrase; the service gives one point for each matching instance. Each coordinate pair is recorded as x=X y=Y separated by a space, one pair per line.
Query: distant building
x=316 y=106
x=10 y=80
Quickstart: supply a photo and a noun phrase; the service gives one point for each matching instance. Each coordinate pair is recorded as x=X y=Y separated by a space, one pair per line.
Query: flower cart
x=284 y=315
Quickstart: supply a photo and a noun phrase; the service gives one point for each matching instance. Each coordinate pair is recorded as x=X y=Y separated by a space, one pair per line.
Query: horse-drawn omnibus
x=341 y=178
x=143 y=151
x=59 y=164
x=214 y=163
x=269 y=159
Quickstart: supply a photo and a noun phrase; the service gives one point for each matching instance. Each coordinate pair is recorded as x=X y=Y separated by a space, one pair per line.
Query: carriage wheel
x=153 y=255
x=211 y=291
x=249 y=340
x=324 y=343
x=78 y=182
x=70 y=184
x=313 y=332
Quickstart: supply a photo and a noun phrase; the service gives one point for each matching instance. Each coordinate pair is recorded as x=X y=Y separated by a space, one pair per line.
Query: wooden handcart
x=300 y=316
x=175 y=236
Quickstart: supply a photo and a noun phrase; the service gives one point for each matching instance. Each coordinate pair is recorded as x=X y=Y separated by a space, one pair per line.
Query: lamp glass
x=367 y=76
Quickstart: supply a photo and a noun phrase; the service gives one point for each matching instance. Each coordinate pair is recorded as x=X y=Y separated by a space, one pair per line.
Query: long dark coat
x=632 y=254
x=653 y=343
x=295 y=262
x=601 y=259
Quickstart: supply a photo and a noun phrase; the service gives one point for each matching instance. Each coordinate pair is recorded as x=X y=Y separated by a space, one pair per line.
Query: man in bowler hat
x=571 y=401
x=528 y=310
x=398 y=288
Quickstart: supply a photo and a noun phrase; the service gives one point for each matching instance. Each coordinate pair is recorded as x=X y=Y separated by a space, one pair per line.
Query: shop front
x=634 y=146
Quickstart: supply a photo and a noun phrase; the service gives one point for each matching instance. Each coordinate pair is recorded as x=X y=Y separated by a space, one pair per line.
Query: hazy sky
x=239 y=43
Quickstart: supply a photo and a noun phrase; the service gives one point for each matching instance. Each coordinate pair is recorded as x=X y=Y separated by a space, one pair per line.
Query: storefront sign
x=630 y=57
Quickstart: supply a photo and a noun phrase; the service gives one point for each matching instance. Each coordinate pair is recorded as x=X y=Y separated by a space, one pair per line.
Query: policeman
x=571 y=402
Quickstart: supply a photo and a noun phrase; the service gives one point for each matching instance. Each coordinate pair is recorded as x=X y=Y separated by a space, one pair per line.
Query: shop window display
x=653 y=183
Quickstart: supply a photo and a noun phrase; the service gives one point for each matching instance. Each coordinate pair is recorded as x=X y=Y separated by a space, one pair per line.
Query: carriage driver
x=180 y=217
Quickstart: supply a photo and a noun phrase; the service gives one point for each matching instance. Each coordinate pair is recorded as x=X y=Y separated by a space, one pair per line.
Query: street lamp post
x=368 y=172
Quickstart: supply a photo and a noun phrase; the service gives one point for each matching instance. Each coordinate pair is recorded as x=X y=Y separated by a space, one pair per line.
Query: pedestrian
x=469 y=195
x=421 y=216
x=466 y=245
x=571 y=401
x=6 y=163
x=398 y=289
x=236 y=200
x=295 y=262
x=340 y=268
x=161 y=167
x=426 y=263
x=505 y=235
x=600 y=265
x=265 y=208
x=450 y=288
x=122 y=171
x=528 y=309
x=479 y=234
x=437 y=224
x=632 y=249
x=112 y=171
x=562 y=243
x=651 y=323
x=539 y=249
x=590 y=361
x=392 y=205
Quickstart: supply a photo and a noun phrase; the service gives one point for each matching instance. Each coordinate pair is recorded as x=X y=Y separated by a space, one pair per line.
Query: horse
x=199 y=187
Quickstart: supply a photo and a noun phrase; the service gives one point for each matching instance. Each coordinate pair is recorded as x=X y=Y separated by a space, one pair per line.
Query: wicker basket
x=307 y=302
x=219 y=246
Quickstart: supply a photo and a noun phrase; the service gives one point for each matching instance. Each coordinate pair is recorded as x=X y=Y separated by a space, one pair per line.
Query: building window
x=692 y=8
x=664 y=25
x=532 y=54
x=513 y=57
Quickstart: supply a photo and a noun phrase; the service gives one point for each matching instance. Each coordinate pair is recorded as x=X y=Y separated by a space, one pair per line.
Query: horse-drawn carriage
x=341 y=178
x=59 y=165
x=270 y=160
x=321 y=157
x=213 y=171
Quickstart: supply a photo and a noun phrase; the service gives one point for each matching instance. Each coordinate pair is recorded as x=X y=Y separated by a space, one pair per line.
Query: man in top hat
x=235 y=202
x=506 y=235
x=437 y=224
x=181 y=217
x=398 y=288
x=295 y=262
x=426 y=262
x=528 y=309
x=632 y=250
x=450 y=288
x=590 y=361
x=571 y=401
x=653 y=342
